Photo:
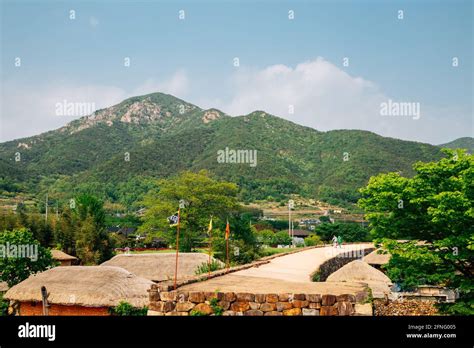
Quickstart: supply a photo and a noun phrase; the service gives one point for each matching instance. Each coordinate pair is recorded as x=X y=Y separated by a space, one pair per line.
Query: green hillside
x=162 y=135
x=461 y=143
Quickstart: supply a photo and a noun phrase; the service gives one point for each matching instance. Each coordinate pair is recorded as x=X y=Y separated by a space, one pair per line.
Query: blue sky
x=407 y=60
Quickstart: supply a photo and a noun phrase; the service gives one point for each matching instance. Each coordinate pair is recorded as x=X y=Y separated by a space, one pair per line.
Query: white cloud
x=325 y=97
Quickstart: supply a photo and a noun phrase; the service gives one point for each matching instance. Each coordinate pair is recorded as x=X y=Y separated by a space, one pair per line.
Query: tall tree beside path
x=16 y=267
x=204 y=197
x=434 y=210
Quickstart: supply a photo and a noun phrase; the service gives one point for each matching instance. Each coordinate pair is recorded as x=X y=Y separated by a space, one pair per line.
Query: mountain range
x=116 y=152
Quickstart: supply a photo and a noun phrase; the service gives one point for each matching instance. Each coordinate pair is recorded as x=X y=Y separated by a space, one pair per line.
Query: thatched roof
x=62 y=256
x=374 y=258
x=358 y=271
x=89 y=286
x=159 y=266
x=3 y=286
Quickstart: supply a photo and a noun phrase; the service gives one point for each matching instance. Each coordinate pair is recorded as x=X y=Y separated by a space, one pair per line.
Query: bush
x=281 y=238
x=265 y=237
x=3 y=306
x=204 y=267
x=126 y=309
x=218 y=310
x=313 y=240
x=16 y=269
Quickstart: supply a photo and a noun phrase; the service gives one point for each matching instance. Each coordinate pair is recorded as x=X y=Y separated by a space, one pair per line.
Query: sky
x=323 y=64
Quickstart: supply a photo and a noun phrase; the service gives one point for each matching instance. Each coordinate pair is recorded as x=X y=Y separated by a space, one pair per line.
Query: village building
x=78 y=291
x=159 y=266
x=63 y=258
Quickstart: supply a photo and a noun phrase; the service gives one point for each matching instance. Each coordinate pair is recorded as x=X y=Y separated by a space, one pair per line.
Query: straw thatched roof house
x=159 y=266
x=375 y=259
x=3 y=287
x=79 y=290
x=362 y=272
x=63 y=258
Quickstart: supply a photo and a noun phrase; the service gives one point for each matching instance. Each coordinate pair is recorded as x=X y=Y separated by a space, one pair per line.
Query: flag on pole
x=227 y=231
x=173 y=219
x=209 y=229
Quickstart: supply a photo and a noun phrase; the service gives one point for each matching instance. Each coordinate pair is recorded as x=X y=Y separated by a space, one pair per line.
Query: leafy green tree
x=204 y=197
x=17 y=269
x=100 y=247
x=281 y=238
x=350 y=232
x=89 y=205
x=265 y=237
x=93 y=246
x=313 y=240
x=65 y=232
x=435 y=207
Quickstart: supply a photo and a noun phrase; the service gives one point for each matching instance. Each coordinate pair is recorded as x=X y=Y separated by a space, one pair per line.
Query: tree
x=435 y=207
x=89 y=205
x=313 y=240
x=350 y=232
x=265 y=237
x=204 y=197
x=93 y=244
x=16 y=268
x=281 y=238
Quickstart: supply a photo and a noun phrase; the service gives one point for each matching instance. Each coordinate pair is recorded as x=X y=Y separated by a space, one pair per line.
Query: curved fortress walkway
x=287 y=273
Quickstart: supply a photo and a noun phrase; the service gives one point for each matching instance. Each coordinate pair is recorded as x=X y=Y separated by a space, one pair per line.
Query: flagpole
x=227 y=253
x=177 y=251
x=210 y=250
x=227 y=232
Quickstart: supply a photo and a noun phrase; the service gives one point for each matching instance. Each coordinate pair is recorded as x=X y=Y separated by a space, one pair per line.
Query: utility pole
x=291 y=205
x=46 y=205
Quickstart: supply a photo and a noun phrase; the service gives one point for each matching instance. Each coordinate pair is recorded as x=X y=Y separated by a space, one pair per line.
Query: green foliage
x=436 y=207
x=281 y=238
x=17 y=269
x=350 y=232
x=265 y=237
x=93 y=245
x=126 y=309
x=204 y=267
x=214 y=303
x=316 y=277
x=313 y=240
x=196 y=313
x=205 y=197
x=291 y=158
x=3 y=306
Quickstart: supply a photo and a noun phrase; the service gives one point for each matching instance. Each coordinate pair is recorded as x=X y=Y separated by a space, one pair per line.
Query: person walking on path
x=339 y=241
x=334 y=241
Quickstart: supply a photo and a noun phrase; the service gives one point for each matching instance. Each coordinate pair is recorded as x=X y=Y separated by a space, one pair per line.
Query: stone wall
x=184 y=303
x=332 y=265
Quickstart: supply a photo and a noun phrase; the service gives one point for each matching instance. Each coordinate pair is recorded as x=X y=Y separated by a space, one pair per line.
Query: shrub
x=3 y=306
x=313 y=240
x=204 y=267
x=126 y=309
x=281 y=238
x=218 y=310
